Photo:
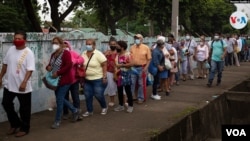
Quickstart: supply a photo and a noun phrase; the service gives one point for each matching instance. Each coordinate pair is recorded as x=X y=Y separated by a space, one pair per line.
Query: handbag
x=168 y=64
x=152 y=69
x=49 y=81
x=207 y=66
x=81 y=73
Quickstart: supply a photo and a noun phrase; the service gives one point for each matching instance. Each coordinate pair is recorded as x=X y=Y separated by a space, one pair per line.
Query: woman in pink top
x=74 y=88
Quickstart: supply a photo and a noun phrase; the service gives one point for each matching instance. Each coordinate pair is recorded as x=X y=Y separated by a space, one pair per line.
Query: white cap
x=161 y=38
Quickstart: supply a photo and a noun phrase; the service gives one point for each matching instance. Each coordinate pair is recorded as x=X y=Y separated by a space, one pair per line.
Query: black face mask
x=118 y=50
x=112 y=48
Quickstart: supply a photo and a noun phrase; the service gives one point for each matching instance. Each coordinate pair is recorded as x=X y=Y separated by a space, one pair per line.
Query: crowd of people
x=121 y=70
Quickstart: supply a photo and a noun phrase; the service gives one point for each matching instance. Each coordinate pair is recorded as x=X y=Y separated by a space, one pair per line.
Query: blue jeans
x=137 y=78
x=216 y=66
x=60 y=93
x=94 y=88
x=74 y=91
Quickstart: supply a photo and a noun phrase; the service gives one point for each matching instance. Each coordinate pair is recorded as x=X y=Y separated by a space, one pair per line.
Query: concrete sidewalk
x=148 y=119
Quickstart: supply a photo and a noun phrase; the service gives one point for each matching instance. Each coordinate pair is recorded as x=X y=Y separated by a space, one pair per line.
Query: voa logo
x=238 y=20
x=236 y=132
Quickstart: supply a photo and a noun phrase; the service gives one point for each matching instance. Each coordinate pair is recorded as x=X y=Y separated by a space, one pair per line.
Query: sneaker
x=209 y=85
x=177 y=83
x=86 y=114
x=130 y=109
x=156 y=97
x=55 y=125
x=65 y=117
x=140 y=101
x=119 y=108
x=104 y=111
x=76 y=116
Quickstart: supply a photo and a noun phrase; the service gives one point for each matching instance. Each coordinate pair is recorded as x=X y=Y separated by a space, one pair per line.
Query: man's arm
x=25 y=80
x=3 y=71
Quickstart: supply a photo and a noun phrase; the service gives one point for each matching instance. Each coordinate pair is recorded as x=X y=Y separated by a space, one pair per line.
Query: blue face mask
x=89 y=47
x=137 y=41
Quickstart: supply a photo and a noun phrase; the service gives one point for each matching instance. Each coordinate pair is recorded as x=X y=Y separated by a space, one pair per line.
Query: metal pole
x=175 y=14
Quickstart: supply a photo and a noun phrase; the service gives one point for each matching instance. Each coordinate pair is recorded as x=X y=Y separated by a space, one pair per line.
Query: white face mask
x=137 y=41
x=187 y=37
x=216 y=37
x=55 y=47
x=89 y=47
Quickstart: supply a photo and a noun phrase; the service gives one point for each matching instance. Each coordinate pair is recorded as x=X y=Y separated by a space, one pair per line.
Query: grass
x=185 y=112
x=153 y=132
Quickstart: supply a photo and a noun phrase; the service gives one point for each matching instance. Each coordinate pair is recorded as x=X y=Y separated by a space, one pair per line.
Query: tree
x=32 y=15
x=57 y=16
x=16 y=10
x=111 y=11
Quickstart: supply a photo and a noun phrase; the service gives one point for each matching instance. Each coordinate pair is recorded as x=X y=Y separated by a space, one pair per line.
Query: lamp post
x=175 y=15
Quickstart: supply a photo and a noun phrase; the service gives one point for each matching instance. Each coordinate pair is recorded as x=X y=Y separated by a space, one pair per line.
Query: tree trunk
x=31 y=15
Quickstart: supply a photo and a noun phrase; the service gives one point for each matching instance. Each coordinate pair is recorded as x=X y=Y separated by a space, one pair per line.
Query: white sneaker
x=156 y=97
x=130 y=109
x=86 y=114
x=119 y=108
x=104 y=111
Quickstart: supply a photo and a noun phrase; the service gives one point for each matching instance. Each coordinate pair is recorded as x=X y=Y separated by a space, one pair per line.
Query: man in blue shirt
x=217 y=53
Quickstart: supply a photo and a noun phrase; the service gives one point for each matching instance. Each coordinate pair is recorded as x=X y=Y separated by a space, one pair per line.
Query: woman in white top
x=201 y=55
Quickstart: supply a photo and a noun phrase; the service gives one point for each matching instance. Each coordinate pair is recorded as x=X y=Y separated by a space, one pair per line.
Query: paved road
x=147 y=119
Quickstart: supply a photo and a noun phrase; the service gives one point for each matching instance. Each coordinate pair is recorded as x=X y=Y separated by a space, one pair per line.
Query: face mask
x=137 y=41
x=187 y=37
x=118 y=50
x=55 y=47
x=112 y=48
x=89 y=47
x=216 y=37
x=19 y=43
x=202 y=43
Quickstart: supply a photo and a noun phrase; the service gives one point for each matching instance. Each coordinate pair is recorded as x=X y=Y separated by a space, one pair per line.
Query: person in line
x=60 y=64
x=230 y=50
x=158 y=61
x=218 y=52
x=18 y=65
x=176 y=45
x=140 y=59
x=191 y=45
x=183 y=60
x=96 y=77
x=201 y=56
x=76 y=59
x=111 y=88
x=123 y=73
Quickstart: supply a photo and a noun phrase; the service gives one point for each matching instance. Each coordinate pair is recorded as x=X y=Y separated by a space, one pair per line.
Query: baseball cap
x=138 y=36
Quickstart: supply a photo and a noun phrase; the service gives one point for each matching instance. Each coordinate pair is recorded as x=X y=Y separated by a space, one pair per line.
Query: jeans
x=25 y=109
x=60 y=93
x=138 y=78
x=128 y=93
x=74 y=91
x=156 y=83
x=216 y=66
x=94 y=88
x=229 y=59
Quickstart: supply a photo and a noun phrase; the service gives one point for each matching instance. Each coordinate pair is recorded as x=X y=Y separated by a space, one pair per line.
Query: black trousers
x=25 y=109
x=128 y=93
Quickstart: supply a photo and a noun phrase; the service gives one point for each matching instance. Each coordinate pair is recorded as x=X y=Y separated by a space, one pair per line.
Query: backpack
x=210 y=53
x=220 y=41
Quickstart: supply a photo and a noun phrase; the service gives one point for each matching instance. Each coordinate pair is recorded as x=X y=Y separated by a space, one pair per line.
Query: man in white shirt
x=18 y=65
